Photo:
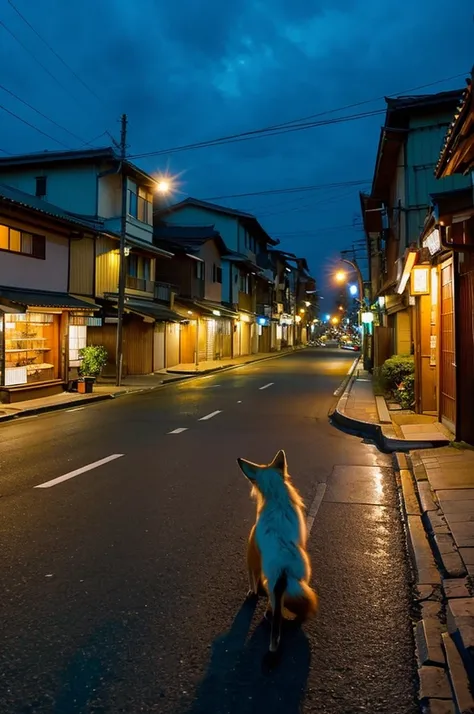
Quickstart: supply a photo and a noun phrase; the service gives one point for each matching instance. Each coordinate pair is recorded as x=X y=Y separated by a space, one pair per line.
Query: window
x=138 y=272
x=77 y=340
x=22 y=242
x=41 y=186
x=216 y=274
x=244 y=283
x=140 y=204
x=199 y=270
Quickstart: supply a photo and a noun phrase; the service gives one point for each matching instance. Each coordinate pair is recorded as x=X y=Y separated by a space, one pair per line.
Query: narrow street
x=123 y=587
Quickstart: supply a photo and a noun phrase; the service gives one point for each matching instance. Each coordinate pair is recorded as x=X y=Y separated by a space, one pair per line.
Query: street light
x=334 y=320
x=353 y=290
x=163 y=186
x=340 y=276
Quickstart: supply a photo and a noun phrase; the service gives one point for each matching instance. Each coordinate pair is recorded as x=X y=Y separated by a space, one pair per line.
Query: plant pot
x=85 y=385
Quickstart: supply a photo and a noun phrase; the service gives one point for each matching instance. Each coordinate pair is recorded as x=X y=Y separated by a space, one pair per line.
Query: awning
x=147 y=308
x=147 y=247
x=208 y=308
x=43 y=298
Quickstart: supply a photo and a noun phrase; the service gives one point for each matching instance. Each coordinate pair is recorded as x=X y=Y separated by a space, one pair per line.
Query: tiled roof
x=246 y=217
x=463 y=108
x=26 y=200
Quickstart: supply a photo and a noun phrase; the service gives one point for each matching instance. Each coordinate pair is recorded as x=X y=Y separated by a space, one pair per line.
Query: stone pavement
x=438 y=498
x=437 y=488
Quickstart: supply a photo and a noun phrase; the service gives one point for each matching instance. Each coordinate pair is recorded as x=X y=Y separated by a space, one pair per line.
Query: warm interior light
x=409 y=263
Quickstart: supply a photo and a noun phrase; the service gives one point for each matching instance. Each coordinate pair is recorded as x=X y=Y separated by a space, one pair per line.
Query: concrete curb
x=179 y=377
x=374 y=432
x=440 y=650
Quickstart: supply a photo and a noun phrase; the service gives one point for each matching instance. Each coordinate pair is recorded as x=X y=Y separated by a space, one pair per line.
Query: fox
x=277 y=558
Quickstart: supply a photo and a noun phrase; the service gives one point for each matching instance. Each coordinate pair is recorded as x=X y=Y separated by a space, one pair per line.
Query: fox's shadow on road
x=238 y=679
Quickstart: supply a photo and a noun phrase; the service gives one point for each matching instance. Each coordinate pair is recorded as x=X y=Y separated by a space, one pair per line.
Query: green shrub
x=395 y=370
x=93 y=360
x=405 y=394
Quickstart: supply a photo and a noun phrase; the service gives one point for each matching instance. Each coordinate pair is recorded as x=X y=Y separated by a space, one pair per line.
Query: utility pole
x=362 y=304
x=122 y=266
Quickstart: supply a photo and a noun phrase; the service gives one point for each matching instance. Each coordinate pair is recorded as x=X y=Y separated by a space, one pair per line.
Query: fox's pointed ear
x=279 y=462
x=248 y=468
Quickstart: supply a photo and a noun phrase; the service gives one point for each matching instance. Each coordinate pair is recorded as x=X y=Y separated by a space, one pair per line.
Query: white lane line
x=266 y=386
x=76 y=409
x=209 y=416
x=345 y=381
x=352 y=367
x=317 y=500
x=178 y=431
x=83 y=469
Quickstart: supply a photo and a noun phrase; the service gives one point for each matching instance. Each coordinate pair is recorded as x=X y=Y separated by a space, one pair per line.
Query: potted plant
x=93 y=360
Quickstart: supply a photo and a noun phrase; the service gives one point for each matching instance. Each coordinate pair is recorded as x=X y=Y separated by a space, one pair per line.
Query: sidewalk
x=438 y=502
x=106 y=389
x=437 y=497
x=361 y=412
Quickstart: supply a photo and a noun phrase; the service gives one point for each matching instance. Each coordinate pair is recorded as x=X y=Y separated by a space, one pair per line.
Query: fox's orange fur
x=276 y=552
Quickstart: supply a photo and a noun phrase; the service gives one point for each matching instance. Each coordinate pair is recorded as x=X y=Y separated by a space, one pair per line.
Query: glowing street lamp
x=334 y=320
x=341 y=276
x=353 y=290
x=163 y=186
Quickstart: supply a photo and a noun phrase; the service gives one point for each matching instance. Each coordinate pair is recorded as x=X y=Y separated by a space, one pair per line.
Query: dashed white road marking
x=265 y=386
x=76 y=409
x=209 y=416
x=178 y=431
x=83 y=469
x=317 y=500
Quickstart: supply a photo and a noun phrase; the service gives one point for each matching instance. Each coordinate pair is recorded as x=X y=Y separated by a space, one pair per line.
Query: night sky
x=197 y=70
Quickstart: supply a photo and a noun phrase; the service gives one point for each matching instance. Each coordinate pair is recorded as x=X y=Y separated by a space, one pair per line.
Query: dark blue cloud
x=194 y=70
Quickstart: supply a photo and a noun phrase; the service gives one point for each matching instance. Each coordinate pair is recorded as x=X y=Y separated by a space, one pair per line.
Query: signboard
x=420 y=280
x=433 y=242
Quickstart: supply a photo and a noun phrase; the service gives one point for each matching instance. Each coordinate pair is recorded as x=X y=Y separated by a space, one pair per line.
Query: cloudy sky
x=191 y=71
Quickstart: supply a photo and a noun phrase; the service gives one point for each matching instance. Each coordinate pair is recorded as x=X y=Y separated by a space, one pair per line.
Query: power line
x=30 y=106
x=295 y=124
x=370 y=101
x=40 y=131
x=256 y=134
x=294 y=189
x=54 y=51
x=35 y=58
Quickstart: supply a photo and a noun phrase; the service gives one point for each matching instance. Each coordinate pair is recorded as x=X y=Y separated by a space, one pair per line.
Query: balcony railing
x=163 y=291
x=142 y=284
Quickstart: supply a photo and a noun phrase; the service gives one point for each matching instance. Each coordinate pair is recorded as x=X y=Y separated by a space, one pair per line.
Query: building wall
x=109 y=196
x=178 y=271
x=82 y=266
x=227 y=226
x=424 y=143
x=24 y=271
x=107 y=266
x=211 y=256
x=73 y=188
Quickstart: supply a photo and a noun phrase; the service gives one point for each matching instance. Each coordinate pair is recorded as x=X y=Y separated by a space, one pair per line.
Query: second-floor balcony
x=142 y=284
x=163 y=291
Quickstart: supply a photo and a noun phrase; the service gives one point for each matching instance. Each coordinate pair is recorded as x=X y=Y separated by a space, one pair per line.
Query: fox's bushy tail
x=303 y=603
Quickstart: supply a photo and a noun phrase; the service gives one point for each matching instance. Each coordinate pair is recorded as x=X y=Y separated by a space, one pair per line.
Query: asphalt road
x=123 y=587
